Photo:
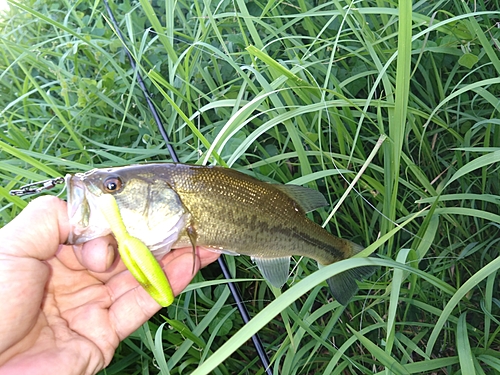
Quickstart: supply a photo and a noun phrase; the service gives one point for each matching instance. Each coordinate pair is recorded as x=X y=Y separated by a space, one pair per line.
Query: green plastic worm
x=135 y=254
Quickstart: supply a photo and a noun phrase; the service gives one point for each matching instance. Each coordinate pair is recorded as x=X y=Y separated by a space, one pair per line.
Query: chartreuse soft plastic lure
x=135 y=254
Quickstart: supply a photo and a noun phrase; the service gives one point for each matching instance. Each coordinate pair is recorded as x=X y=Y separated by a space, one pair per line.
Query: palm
x=61 y=316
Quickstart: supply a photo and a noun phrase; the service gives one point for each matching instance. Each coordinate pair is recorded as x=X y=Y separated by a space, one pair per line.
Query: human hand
x=65 y=310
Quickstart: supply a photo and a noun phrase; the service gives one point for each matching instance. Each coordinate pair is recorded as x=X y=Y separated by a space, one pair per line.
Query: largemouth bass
x=173 y=205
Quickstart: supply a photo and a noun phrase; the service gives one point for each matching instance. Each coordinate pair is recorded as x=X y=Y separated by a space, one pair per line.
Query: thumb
x=38 y=230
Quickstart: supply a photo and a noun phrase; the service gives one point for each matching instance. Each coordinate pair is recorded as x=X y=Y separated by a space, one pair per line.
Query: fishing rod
x=222 y=263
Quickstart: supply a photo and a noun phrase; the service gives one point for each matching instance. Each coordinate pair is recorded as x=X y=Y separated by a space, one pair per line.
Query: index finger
x=38 y=230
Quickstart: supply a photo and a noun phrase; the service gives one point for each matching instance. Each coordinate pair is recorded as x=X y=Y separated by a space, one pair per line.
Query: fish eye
x=112 y=184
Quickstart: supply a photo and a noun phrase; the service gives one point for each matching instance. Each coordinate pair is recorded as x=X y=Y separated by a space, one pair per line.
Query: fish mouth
x=85 y=217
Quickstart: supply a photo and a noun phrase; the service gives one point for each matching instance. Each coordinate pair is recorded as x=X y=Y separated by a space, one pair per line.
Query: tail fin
x=343 y=286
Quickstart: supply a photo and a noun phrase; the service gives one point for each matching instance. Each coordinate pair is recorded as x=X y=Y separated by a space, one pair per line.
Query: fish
x=173 y=205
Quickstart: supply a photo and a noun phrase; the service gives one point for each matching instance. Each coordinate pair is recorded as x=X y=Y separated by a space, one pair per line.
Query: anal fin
x=274 y=270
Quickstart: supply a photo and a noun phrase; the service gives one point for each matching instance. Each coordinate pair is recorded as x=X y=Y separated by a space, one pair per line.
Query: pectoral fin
x=275 y=270
x=191 y=232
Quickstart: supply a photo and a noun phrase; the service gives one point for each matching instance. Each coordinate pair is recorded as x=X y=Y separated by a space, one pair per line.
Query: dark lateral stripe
x=316 y=244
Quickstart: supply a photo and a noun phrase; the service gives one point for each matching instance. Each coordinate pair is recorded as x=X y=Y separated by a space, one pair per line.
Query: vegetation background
x=293 y=92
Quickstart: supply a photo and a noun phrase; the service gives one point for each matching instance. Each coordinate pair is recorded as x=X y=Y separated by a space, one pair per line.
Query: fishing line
x=233 y=288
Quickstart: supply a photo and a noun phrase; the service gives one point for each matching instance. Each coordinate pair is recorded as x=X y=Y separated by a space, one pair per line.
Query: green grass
x=292 y=92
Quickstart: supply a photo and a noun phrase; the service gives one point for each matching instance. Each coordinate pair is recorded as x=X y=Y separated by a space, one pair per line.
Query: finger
x=124 y=282
x=135 y=306
x=97 y=255
x=34 y=235
x=68 y=257
x=38 y=230
x=207 y=256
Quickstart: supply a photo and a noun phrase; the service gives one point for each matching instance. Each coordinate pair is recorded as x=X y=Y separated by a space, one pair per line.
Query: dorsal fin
x=308 y=199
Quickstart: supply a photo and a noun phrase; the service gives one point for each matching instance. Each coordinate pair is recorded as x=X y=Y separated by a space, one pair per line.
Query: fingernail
x=110 y=256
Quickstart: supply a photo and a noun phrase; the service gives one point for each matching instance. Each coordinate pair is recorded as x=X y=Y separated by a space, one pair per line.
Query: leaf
x=384 y=358
x=463 y=346
x=185 y=331
x=221 y=326
x=480 y=162
x=468 y=60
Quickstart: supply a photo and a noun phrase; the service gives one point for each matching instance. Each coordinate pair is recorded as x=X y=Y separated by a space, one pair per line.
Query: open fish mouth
x=86 y=220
